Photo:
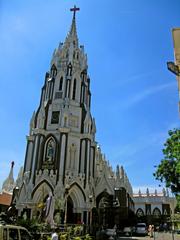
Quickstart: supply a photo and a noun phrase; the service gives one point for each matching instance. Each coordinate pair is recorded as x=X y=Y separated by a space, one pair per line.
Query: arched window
x=139 y=212
x=74 y=90
x=50 y=148
x=61 y=84
x=156 y=213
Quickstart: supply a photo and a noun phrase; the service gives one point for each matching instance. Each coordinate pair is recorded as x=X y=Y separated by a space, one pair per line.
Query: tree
x=168 y=171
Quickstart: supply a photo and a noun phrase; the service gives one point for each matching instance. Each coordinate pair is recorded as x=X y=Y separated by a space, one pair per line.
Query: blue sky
x=134 y=96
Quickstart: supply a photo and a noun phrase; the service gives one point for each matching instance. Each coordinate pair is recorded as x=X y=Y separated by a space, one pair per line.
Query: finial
x=12 y=164
x=147 y=191
x=164 y=192
x=74 y=9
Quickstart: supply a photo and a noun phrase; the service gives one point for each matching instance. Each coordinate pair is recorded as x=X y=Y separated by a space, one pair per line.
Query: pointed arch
x=43 y=147
x=139 y=212
x=40 y=184
x=156 y=212
x=75 y=184
x=104 y=195
x=49 y=150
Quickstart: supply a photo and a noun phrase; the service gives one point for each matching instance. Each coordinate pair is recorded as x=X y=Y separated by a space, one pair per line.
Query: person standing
x=151 y=230
x=54 y=235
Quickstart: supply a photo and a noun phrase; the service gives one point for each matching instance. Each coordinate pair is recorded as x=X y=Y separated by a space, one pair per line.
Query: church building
x=64 y=166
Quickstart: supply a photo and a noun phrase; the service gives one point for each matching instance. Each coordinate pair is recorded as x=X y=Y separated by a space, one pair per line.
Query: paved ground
x=158 y=236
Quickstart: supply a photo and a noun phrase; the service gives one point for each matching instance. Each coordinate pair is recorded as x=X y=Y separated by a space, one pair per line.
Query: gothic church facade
x=62 y=157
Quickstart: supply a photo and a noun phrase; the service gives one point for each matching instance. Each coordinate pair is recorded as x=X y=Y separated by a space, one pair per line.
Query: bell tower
x=64 y=169
x=61 y=144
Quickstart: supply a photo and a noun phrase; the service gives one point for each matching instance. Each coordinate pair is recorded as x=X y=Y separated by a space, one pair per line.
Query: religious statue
x=49 y=210
x=50 y=151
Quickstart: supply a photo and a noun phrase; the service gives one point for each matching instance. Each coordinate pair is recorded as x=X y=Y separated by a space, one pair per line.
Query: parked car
x=141 y=229
x=127 y=231
x=177 y=231
x=111 y=232
x=13 y=232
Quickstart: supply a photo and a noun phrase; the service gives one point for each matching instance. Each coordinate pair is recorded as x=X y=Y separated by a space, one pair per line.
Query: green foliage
x=77 y=230
x=177 y=209
x=63 y=236
x=77 y=238
x=31 y=224
x=88 y=237
x=168 y=170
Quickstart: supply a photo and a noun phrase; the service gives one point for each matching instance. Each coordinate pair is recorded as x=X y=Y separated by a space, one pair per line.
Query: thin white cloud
x=137 y=98
x=139 y=144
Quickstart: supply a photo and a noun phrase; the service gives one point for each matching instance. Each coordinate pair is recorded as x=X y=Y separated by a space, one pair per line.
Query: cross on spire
x=74 y=9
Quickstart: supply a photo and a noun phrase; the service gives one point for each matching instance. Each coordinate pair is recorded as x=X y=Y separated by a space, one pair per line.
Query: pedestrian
x=54 y=235
x=151 y=230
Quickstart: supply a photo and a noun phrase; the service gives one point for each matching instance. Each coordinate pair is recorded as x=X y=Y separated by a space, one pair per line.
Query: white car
x=111 y=232
x=13 y=232
x=141 y=229
x=127 y=231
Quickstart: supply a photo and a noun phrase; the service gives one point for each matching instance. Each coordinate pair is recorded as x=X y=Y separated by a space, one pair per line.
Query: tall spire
x=72 y=35
x=8 y=184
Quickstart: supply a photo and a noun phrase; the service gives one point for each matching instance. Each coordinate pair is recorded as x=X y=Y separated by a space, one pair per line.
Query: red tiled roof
x=5 y=198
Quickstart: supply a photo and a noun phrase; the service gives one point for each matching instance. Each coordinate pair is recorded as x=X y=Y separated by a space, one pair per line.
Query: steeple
x=8 y=184
x=72 y=34
x=70 y=52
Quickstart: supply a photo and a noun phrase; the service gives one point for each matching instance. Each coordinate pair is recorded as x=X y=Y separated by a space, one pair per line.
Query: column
x=62 y=156
x=87 y=164
x=83 y=144
x=34 y=157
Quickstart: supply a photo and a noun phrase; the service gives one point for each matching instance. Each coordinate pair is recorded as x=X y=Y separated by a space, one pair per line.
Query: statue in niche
x=69 y=70
x=50 y=151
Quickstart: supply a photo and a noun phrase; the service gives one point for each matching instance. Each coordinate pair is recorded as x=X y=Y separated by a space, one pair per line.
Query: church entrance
x=70 y=214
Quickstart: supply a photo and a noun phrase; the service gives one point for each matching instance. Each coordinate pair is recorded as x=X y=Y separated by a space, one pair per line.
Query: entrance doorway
x=70 y=214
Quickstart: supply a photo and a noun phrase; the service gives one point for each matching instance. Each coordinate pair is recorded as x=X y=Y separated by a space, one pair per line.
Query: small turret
x=9 y=184
x=117 y=172
x=147 y=192
x=122 y=172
